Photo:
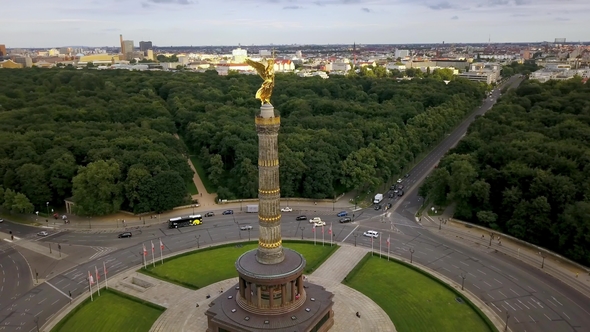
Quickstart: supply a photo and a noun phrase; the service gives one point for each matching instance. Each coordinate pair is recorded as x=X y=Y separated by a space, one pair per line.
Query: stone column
x=293 y=290
x=271 y=298
x=283 y=294
x=258 y=296
x=270 y=249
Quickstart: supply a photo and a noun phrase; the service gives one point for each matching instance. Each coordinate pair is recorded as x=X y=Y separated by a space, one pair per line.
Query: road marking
x=510 y=305
x=532 y=305
x=513 y=277
x=455 y=266
x=534 y=321
x=568 y=317
x=551 y=302
x=516 y=304
x=476 y=286
x=480 y=271
x=498 y=281
x=514 y=292
x=516 y=319
x=485 y=282
x=523 y=304
x=557 y=301
x=547 y=317
x=73 y=271
x=532 y=290
x=57 y=301
x=38 y=313
x=497 y=308
x=490 y=295
x=502 y=293
x=57 y=289
x=495 y=268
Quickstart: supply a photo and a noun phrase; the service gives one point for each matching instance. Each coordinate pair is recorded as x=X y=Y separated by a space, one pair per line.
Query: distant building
x=264 y=53
x=239 y=55
x=145 y=45
x=9 y=64
x=128 y=48
x=65 y=50
x=26 y=61
x=402 y=54
x=149 y=54
x=3 y=50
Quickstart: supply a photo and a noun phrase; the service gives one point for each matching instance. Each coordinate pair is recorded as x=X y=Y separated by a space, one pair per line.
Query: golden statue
x=267 y=72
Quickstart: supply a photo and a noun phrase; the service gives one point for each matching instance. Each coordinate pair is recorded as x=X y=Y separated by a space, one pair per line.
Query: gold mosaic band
x=270 y=245
x=271 y=219
x=268 y=121
x=274 y=162
x=269 y=192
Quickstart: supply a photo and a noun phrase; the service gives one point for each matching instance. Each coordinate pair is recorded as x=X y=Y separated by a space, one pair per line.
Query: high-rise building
x=239 y=55
x=145 y=45
x=2 y=50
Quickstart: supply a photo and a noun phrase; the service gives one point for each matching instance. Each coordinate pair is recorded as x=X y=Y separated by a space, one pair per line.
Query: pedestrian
x=197 y=305
x=221 y=290
x=201 y=194
x=576 y=274
x=358 y=314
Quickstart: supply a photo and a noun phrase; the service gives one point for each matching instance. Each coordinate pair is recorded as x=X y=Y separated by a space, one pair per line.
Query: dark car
x=392 y=187
x=209 y=214
x=228 y=212
x=342 y=214
x=378 y=207
x=126 y=234
x=400 y=186
x=400 y=193
x=303 y=217
x=391 y=195
x=388 y=206
x=345 y=219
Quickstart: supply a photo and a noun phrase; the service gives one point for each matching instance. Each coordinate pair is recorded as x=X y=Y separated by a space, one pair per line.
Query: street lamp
x=193 y=209
x=463 y=276
x=47 y=205
x=507 y=317
x=302 y=228
x=439 y=223
x=411 y=255
x=249 y=229
x=543 y=259
x=491 y=238
x=355 y=235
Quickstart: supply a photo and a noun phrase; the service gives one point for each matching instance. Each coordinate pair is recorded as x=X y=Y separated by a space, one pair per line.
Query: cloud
x=441 y=6
x=562 y=19
x=336 y=2
x=293 y=7
x=521 y=2
x=455 y=17
x=174 y=2
x=366 y=10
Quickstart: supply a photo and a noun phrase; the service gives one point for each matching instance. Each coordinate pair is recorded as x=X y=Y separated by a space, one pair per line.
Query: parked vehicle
x=252 y=208
x=342 y=214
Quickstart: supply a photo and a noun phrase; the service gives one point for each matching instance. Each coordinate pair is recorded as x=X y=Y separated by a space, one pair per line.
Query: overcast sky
x=50 y=23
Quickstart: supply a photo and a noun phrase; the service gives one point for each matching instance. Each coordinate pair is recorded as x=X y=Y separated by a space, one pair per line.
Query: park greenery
x=106 y=139
x=414 y=301
x=204 y=267
x=111 y=311
x=524 y=168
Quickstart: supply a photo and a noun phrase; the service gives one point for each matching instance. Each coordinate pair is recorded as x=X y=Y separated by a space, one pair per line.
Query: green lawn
x=192 y=189
x=204 y=267
x=414 y=301
x=110 y=312
x=203 y=175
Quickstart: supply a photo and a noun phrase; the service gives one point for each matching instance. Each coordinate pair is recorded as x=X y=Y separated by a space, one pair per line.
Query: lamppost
x=198 y=238
x=491 y=238
x=463 y=276
x=507 y=317
x=302 y=229
x=47 y=205
x=439 y=223
x=333 y=203
x=411 y=255
x=37 y=322
x=249 y=229
x=193 y=209
x=59 y=248
x=355 y=235
x=543 y=259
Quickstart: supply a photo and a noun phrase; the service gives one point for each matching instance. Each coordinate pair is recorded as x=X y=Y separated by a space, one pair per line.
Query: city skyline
x=31 y=23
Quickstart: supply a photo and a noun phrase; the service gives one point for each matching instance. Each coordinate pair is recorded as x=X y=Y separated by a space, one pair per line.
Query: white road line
x=480 y=271
x=513 y=277
x=510 y=305
x=503 y=306
x=444 y=268
x=471 y=274
x=516 y=304
x=516 y=319
x=568 y=317
x=485 y=282
x=490 y=295
x=551 y=302
x=57 y=301
x=502 y=293
x=57 y=289
x=532 y=289
x=514 y=292
x=534 y=321
x=38 y=313
x=497 y=308
x=455 y=266
x=557 y=301
x=463 y=263
x=42 y=301
x=547 y=317
x=476 y=286
x=532 y=305
x=523 y=304
x=498 y=281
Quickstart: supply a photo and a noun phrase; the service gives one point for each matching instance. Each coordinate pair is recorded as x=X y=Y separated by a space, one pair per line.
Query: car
x=393 y=187
x=407 y=175
x=401 y=186
x=391 y=195
x=42 y=233
x=345 y=220
x=1 y=220
x=388 y=206
x=228 y=212
x=315 y=220
x=319 y=223
x=124 y=235
x=378 y=207
x=302 y=217
x=245 y=227
x=209 y=214
x=342 y=214
x=286 y=209
x=371 y=234
x=399 y=180
x=400 y=193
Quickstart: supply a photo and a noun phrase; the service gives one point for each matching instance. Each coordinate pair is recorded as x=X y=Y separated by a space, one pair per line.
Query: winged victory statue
x=267 y=72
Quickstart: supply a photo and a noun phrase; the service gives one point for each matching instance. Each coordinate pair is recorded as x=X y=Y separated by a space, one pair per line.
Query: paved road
x=535 y=301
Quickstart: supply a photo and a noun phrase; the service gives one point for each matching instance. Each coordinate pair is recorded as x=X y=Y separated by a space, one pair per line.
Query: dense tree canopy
x=60 y=128
x=524 y=168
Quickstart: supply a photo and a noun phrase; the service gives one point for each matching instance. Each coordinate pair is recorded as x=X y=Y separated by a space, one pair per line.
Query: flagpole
x=106 y=279
x=97 y=280
x=388 y=244
x=379 y=246
x=161 y=247
x=331 y=233
x=313 y=230
x=143 y=253
x=153 y=257
x=90 y=285
x=322 y=235
x=372 y=245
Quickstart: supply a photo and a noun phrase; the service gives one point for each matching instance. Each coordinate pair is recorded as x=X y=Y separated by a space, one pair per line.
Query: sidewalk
x=568 y=272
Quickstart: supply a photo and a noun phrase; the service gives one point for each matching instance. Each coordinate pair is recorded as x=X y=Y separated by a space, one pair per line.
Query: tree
x=9 y=197
x=33 y=183
x=21 y=204
x=137 y=177
x=96 y=188
x=61 y=172
x=216 y=169
x=173 y=193
x=488 y=218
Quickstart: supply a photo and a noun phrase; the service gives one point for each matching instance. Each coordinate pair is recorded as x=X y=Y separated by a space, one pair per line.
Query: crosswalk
x=101 y=251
